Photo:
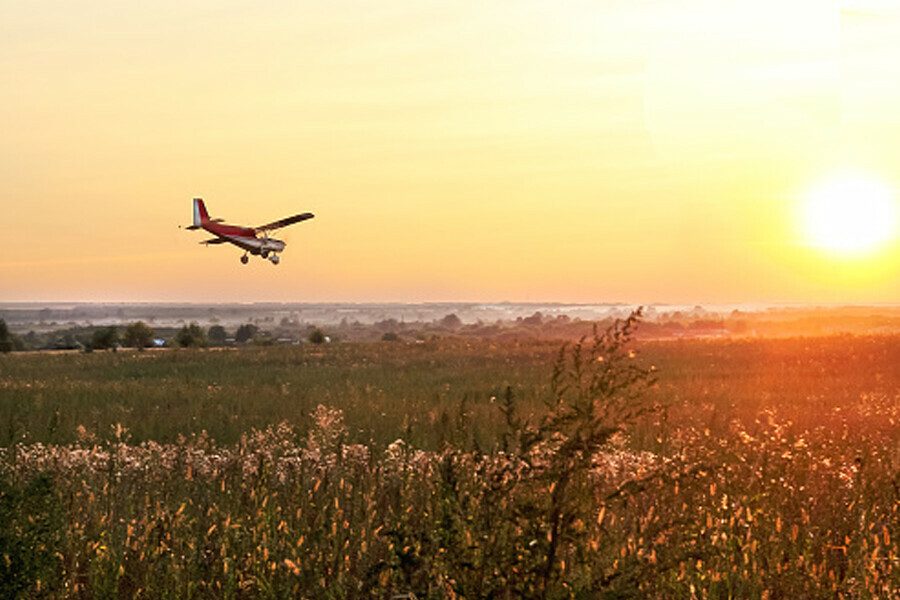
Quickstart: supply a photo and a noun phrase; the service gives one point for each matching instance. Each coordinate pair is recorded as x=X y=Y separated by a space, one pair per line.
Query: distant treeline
x=292 y=330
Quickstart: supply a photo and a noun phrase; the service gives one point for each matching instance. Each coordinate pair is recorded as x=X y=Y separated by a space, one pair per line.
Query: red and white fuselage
x=246 y=238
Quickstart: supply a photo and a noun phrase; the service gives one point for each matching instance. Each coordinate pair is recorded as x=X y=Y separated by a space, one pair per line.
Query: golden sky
x=584 y=151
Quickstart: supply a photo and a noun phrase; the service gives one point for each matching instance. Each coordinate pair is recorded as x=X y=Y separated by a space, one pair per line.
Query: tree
x=536 y=319
x=138 y=335
x=105 y=338
x=6 y=344
x=32 y=340
x=191 y=336
x=317 y=337
x=451 y=321
x=245 y=333
x=69 y=342
x=216 y=335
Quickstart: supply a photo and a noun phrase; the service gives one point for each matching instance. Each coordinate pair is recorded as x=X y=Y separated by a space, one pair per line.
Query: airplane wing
x=285 y=222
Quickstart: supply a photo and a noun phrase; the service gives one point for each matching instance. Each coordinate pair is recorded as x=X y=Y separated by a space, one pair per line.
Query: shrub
x=217 y=335
x=138 y=335
x=245 y=333
x=596 y=394
x=316 y=336
x=191 y=336
x=105 y=339
x=6 y=343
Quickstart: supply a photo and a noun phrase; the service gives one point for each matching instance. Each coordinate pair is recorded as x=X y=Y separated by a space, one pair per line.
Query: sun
x=850 y=215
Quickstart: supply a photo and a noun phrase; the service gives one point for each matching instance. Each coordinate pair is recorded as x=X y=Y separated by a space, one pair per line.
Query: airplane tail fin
x=200 y=214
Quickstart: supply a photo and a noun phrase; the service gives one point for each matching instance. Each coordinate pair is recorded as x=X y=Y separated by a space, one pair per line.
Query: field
x=454 y=468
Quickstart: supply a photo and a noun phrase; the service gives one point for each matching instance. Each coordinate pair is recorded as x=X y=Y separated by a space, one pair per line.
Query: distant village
x=87 y=327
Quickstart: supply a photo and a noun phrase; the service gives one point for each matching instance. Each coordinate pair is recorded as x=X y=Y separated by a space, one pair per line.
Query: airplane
x=247 y=238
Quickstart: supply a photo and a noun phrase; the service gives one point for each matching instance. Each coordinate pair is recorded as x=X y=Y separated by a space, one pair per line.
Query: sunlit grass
x=771 y=472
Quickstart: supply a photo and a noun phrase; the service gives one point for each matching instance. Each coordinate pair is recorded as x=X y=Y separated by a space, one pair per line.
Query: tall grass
x=587 y=485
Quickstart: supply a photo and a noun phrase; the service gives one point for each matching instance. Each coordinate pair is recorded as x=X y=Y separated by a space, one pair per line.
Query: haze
x=639 y=151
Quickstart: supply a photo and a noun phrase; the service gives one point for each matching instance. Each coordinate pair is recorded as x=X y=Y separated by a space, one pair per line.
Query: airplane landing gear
x=275 y=259
x=245 y=259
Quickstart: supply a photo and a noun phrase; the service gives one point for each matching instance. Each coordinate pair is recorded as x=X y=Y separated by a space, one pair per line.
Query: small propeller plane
x=247 y=238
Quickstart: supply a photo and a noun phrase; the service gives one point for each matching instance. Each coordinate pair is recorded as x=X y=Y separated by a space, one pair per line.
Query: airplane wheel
x=275 y=260
x=265 y=254
x=245 y=259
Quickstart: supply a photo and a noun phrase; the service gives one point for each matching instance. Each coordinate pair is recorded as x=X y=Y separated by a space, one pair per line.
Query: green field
x=387 y=390
x=760 y=468
x=390 y=390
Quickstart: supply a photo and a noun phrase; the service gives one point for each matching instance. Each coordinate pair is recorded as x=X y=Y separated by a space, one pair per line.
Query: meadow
x=455 y=468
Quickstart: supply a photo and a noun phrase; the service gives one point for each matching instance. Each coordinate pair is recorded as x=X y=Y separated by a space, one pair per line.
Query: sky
x=618 y=151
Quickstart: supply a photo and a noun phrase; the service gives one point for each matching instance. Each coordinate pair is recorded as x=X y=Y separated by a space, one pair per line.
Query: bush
x=217 y=335
x=245 y=333
x=191 y=336
x=596 y=395
x=451 y=321
x=316 y=336
x=138 y=335
x=105 y=339
x=6 y=343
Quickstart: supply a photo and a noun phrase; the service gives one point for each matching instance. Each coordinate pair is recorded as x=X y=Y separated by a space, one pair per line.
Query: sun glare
x=850 y=215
